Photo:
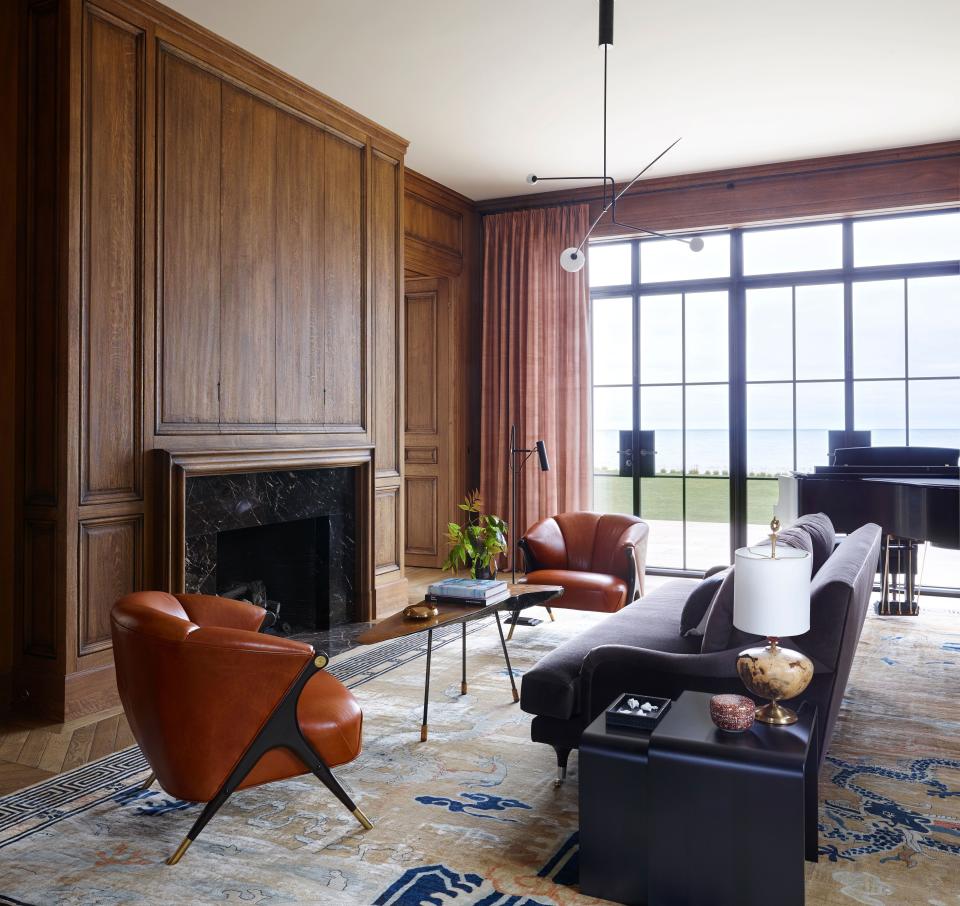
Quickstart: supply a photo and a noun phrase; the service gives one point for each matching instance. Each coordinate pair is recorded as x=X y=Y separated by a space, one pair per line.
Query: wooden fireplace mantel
x=177 y=467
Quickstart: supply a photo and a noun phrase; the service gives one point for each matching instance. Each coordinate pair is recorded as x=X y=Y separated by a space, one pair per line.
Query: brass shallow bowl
x=420 y=611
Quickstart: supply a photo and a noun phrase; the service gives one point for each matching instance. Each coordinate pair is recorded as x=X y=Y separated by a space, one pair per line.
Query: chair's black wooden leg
x=282 y=730
x=506 y=657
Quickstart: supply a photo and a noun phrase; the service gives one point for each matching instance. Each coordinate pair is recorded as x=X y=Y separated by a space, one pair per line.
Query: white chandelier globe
x=696 y=244
x=572 y=260
x=531 y=178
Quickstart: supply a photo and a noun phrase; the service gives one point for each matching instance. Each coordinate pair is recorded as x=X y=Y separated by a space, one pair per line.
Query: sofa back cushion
x=819 y=528
x=696 y=606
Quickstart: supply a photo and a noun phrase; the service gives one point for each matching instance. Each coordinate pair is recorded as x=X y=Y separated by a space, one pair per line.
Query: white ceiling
x=489 y=90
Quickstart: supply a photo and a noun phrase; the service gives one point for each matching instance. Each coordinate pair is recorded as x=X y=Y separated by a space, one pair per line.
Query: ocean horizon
x=769 y=450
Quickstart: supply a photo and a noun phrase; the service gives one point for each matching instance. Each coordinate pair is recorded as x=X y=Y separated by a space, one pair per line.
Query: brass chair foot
x=463 y=688
x=181 y=849
x=516 y=696
x=510 y=633
x=363 y=819
x=552 y=617
x=423 y=733
x=149 y=781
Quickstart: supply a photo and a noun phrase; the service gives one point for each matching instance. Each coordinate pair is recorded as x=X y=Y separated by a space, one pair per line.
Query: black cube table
x=688 y=814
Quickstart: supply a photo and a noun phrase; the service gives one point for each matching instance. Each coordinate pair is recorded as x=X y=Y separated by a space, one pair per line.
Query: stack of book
x=468 y=591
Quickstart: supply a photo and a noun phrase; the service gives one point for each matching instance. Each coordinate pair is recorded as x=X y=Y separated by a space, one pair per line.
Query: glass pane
x=708 y=522
x=935 y=414
x=609 y=265
x=878 y=345
x=612 y=494
x=819 y=409
x=812 y=248
x=708 y=442
x=667 y=259
x=612 y=341
x=769 y=334
x=706 y=336
x=612 y=413
x=661 y=349
x=762 y=497
x=661 y=505
x=880 y=407
x=661 y=411
x=819 y=317
x=906 y=240
x=769 y=429
x=934 y=326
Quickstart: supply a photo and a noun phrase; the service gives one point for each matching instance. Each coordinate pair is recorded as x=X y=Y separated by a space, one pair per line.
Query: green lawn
x=708 y=499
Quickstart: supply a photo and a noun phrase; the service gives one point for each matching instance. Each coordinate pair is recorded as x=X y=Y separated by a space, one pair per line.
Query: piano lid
x=896 y=456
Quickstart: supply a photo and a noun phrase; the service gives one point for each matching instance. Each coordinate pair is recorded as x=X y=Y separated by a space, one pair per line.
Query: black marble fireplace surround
x=294 y=530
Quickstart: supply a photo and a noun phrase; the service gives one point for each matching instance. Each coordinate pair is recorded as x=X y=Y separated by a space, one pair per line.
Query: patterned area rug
x=471 y=817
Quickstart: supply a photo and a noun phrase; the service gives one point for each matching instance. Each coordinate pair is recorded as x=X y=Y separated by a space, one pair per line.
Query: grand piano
x=913 y=493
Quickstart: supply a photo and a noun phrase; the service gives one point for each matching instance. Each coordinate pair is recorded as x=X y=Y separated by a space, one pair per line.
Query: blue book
x=467 y=589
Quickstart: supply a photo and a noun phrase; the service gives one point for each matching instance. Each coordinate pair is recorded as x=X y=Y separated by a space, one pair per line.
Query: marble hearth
x=294 y=531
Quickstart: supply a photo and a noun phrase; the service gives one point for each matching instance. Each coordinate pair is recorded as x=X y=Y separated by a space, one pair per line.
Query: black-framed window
x=741 y=357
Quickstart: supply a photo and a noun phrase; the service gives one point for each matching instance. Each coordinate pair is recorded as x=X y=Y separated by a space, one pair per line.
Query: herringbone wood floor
x=32 y=750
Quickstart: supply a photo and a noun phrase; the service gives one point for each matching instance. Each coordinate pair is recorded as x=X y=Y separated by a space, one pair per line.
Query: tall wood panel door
x=429 y=428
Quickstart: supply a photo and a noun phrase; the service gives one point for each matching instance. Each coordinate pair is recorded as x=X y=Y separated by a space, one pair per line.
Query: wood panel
x=301 y=312
x=111 y=296
x=42 y=285
x=248 y=266
x=386 y=530
x=422 y=530
x=40 y=579
x=110 y=567
x=432 y=223
x=386 y=316
x=345 y=367
x=189 y=233
x=429 y=445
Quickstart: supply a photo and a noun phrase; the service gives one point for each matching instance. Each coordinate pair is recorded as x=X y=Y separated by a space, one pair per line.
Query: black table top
x=687 y=727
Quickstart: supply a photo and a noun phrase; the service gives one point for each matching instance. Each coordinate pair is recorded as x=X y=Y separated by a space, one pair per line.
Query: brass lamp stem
x=774 y=528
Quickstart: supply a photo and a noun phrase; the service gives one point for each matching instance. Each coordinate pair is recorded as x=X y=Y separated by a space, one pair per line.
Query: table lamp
x=772 y=598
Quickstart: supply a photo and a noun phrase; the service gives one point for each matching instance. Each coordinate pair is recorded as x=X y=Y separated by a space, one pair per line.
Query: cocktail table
x=397 y=626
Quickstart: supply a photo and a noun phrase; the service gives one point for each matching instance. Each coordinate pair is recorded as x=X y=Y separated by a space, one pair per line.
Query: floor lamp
x=518 y=458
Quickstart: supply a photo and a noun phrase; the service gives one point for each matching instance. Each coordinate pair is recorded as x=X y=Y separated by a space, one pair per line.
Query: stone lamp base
x=774 y=673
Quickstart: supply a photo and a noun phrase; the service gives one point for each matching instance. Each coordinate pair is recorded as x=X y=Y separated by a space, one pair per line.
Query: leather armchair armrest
x=208 y=610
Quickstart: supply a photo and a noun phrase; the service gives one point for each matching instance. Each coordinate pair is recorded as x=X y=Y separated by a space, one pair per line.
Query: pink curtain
x=535 y=363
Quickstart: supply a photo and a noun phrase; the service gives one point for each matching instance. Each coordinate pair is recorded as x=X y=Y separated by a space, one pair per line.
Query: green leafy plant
x=479 y=541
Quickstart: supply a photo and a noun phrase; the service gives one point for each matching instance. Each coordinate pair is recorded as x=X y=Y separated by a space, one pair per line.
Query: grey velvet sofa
x=641 y=648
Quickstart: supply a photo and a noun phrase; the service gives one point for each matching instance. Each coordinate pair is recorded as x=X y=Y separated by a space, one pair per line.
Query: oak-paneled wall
x=211 y=261
x=442 y=339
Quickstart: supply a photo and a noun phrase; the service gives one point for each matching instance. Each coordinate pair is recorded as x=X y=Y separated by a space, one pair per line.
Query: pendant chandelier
x=574 y=258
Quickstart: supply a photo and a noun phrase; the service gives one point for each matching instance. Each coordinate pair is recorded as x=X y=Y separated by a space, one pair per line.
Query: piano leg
x=898 y=586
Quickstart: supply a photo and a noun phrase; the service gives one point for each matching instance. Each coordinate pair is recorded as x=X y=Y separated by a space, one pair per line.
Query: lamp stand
x=774 y=673
x=518 y=458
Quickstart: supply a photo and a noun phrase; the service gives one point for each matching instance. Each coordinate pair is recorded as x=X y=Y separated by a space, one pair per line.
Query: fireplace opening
x=288 y=567
x=285 y=540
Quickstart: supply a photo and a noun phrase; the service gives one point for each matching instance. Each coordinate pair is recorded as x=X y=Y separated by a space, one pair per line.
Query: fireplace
x=285 y=539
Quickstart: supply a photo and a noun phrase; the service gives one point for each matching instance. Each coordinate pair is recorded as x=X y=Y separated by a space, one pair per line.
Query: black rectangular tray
x=636 y=720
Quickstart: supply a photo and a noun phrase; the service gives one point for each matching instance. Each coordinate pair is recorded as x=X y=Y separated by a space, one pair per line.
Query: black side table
x=687 y=814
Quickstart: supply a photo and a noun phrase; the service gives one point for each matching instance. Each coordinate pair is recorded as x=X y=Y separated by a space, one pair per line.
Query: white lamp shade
x=573 y=259
x=771 y=596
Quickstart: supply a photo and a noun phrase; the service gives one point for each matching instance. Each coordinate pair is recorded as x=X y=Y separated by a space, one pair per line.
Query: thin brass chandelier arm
x=629 y=185
x=641 y=229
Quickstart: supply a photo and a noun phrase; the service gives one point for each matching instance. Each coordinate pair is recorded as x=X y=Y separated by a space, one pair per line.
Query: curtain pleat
x=535 y=362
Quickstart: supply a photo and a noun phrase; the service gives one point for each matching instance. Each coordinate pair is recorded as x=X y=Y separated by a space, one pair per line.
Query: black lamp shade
x=541 y=448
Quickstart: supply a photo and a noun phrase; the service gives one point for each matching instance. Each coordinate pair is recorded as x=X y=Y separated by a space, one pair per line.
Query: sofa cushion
x=583 y=591
x=552 y=687
x=700 y=599
x=822 y=536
